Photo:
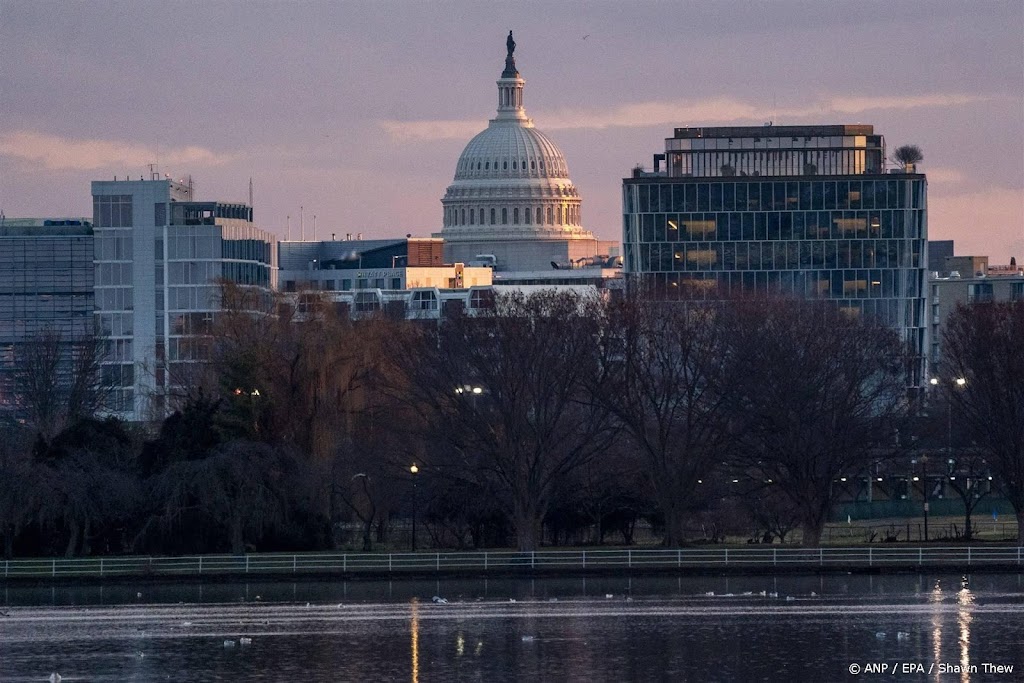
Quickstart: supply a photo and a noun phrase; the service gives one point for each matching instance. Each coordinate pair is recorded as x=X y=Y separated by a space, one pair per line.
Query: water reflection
x=937 y=618
x=651 y=628
x=965 y=607
x=414 y=630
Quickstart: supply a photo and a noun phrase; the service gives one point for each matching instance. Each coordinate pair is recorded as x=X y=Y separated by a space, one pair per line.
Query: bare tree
x=665 y=378
x=969 y=479
x=506 y=391
x=58 y=380
x=907 y=156
x=982 y=344
x=821 y=395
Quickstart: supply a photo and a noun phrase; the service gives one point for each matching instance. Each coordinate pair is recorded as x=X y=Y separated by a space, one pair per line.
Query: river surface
x=786 y=628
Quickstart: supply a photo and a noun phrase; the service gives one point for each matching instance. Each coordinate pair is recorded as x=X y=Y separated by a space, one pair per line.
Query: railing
x=568 y=561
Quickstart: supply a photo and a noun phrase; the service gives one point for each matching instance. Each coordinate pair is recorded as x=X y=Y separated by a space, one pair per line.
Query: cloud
x=57 y=153
x=711 y=111
x=406 y=131
x=855 y=105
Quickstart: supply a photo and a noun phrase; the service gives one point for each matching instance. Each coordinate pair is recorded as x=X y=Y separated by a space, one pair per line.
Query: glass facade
x=207 y=243
x=112 y=218
x=858 y=238
x=46 y=287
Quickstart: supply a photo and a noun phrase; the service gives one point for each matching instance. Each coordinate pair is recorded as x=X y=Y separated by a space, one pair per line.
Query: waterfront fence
x=499 y=562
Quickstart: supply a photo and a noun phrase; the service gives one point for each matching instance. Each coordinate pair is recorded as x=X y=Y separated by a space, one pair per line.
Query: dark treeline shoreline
x=546 y=419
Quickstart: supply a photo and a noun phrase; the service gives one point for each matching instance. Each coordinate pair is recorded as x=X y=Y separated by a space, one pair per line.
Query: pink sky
x=358 y=110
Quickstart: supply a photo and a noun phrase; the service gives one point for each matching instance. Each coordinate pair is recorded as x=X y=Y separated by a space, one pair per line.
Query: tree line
x=551 y=418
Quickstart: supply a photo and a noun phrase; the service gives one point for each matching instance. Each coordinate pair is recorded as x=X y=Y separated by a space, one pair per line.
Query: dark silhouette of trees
x=299 y=374
x=982 y=344
x=556 y=413
x=505 y=391
x=821 y=393
x=19 y=488
x=241 y=489
x=88 y=488
x=666 y=380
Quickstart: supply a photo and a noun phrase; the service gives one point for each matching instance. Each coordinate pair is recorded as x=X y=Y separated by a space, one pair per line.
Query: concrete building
x=949 y=291
x=46 y=288
x=385 y=264
x=782 y=210
x=512 y=202
x=159 y=259
x=406 y=276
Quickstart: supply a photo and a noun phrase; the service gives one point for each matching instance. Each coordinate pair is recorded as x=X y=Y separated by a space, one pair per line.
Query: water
x=650 y=629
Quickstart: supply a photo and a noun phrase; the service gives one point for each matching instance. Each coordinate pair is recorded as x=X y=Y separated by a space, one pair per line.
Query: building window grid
x=849 y=256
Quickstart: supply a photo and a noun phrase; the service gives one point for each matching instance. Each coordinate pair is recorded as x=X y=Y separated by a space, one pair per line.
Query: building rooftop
x=39 y=227
x=773 y=131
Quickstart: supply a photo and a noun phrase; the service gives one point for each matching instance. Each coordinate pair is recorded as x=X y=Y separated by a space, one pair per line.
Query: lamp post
x=414 y=469
x=959 y=382
x=924 y=483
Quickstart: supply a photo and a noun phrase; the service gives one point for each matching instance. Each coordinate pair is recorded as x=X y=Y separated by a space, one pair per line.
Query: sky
x=357 y=111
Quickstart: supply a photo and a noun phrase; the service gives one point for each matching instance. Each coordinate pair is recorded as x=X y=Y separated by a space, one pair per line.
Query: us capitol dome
x=512 y=202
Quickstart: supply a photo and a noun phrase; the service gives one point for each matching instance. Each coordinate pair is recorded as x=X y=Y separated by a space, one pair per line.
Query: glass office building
x=805 y=211
x=46 y=289
x=159 y=260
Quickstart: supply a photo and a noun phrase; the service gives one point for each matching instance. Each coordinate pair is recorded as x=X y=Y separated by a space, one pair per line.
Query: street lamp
x=960 y=382
x=414 y=470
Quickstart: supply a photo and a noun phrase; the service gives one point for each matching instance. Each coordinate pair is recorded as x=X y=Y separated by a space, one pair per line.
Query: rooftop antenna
x=302 y=226
x=314 y=227
x=288 y=228
x=250 y=192
x=190 y=195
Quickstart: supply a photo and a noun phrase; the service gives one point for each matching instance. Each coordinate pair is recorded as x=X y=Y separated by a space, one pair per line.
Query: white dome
x=511 y=150
x=511 y=181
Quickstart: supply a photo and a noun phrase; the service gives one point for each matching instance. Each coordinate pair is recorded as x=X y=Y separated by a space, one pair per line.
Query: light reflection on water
x=965 y=603
x=692 y=628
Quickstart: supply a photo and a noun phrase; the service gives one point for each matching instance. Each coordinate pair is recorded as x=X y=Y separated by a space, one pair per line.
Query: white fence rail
x=568 y=561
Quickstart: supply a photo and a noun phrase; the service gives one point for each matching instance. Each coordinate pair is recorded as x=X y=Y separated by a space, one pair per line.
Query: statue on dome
x=510 y=44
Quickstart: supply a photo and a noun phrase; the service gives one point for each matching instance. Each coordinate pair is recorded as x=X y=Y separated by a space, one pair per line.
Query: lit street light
x=414 y=470
x=960 y=382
